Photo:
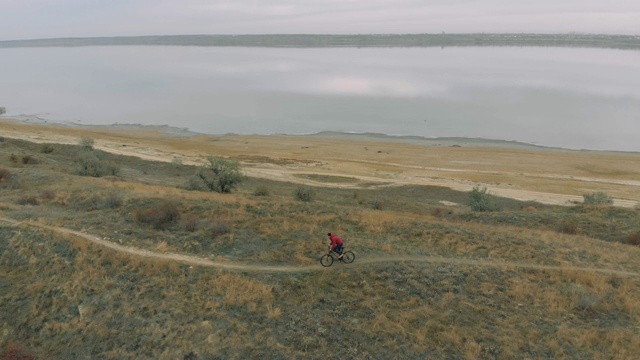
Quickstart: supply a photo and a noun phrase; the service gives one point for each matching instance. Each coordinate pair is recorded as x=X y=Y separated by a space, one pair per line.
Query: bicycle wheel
x=348 y=257
x=326 y=260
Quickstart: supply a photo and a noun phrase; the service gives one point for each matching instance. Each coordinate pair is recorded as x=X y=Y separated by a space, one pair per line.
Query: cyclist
x=336 y=245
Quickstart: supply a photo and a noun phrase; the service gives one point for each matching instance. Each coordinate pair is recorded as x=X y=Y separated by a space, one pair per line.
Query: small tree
x=219 y=174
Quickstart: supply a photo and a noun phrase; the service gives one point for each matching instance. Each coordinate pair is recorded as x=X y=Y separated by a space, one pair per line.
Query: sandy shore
x=514 y=170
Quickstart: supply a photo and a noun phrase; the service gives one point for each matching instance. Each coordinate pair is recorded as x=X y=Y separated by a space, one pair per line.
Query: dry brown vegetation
x=432 y=278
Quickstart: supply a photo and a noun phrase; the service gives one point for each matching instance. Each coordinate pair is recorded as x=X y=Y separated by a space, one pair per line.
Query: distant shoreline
x=625 y=42
x=443 y=141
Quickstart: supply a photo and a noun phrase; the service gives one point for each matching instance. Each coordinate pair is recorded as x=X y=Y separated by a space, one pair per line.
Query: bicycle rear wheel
x=348 y=257
x=326 y=260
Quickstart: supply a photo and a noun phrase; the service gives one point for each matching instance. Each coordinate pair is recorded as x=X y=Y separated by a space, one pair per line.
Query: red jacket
x=335 y=241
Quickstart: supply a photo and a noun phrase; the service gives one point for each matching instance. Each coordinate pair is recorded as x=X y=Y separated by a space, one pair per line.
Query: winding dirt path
x=199 y=261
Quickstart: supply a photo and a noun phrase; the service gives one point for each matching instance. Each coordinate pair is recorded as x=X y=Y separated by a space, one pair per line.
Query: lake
x=578 y=98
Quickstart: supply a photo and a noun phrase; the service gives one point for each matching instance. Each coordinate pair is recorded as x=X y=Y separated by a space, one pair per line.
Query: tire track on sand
x=200 y=261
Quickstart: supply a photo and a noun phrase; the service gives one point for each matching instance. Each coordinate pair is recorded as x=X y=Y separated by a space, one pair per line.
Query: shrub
x=634 y=239
x=220 y=228
x=28 y=159
x=220 y=175
x=2 y=110
x=161 y=216
x=28 y=200
x=261 y=191
x=46 y=148
x=480 y=200
x=5 y=175
x=568 y=227
x=304 y=193
x=377 y=204
x=597 y=198
x=47 y=195
x=13 y=158
x=189 y=222
x=112 y=201
x=86 y=143
x=89 y=164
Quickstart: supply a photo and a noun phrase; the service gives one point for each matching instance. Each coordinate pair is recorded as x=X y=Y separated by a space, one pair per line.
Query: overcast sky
x=28 y=19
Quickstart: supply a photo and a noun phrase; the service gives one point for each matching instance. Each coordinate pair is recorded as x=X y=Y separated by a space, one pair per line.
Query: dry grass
x=63 y=297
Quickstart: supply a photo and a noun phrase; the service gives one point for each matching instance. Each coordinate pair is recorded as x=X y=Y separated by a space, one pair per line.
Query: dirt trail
x=199 y=261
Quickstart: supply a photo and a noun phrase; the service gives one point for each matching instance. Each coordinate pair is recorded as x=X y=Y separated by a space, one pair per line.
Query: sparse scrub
x=505 y=284
x=304 y=193
x=597 y=198
x=14 y=158
x=161 y=216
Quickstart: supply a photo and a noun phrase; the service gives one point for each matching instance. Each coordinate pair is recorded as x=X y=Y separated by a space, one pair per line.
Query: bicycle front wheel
x=348 y=257
x=326 y=260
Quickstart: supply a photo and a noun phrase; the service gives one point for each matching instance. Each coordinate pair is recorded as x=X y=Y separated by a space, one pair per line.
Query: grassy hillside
x=430 y=280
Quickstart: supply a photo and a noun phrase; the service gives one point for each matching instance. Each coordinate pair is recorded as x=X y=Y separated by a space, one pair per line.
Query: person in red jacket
x=336 y=245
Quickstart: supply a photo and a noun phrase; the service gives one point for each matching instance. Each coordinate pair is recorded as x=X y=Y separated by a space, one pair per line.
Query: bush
x=220 y=228
x=13 y=158
x=86 y=143
x=160 y=216
x=28 y=159
x=47 y=195
x=304 y=193
x=218 y=174
x=28 y=200
x=597 y=198
x=377 y=204
x=5 y=175
x=46 y=148
x=634 y=239
x=189 y=222
x=2 y=110
x=112 y=201
x=568 y=227
x=89 y=164
x=261 y=191
x=480 y=200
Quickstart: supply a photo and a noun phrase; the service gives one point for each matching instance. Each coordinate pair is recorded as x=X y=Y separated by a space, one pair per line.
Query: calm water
x=566 y=97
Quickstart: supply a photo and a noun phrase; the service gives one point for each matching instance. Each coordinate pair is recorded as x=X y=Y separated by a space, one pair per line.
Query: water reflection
x=576 y=98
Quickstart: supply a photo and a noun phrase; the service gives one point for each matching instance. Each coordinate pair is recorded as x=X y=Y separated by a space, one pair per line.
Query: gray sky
x=28 y=19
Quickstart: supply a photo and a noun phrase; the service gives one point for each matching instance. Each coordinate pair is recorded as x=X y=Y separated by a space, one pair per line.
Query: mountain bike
x=328 y=259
